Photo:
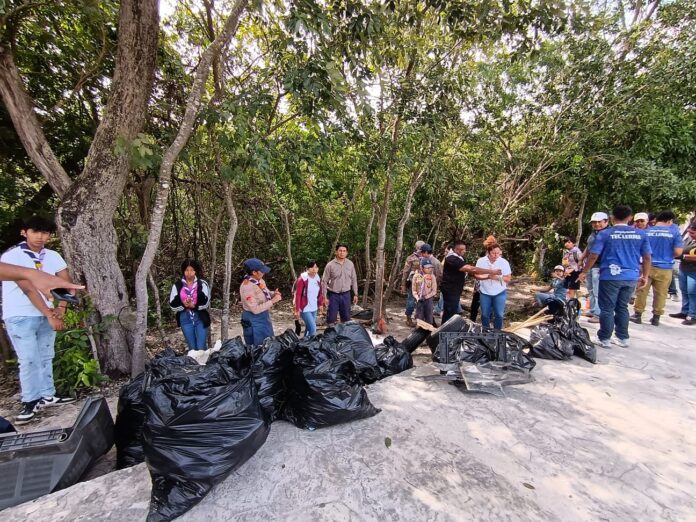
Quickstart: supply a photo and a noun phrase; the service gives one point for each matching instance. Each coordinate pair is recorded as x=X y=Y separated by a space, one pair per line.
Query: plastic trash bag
x=129 y=424
x=392 y=357
x=131 y=411
x=548 y=343
x=352 y=340
x=490 y=377
x=456 y=323
x=6 y=426
x=201 y=424
x=324 y=388
x=573 y=332
x=271 y=367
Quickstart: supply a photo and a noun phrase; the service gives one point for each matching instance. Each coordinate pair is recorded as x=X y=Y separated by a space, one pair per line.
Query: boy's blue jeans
x=32 y=338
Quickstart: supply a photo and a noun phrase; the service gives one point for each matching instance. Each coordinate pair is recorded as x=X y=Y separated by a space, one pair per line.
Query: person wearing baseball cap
x=556 y=290
x=599 y=221
x=640 y=220
x=411 y=266
x=257 y=301
x=424 y=289
x=427 y=252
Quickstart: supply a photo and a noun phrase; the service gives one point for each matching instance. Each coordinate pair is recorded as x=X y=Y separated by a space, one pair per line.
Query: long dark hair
x=193 y=263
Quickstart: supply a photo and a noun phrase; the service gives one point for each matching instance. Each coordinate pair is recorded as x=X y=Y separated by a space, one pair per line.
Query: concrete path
x=613 y=441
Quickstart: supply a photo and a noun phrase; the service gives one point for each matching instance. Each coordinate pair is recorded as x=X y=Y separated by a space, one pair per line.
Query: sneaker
x=636 y=318
x=674 y=297
x=603 y=343
x=55 y=401
x=623 y=343
x=29 y=411
x=594 y=320
x=690 y=321
x=678 y=316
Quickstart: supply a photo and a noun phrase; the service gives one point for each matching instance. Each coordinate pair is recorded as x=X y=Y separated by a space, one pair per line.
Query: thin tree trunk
x=229 y=244
x=165 y=173
x=284 y=216
x=213 y=253
x=413 y=186
x=378 y=303
x=368 y=257
x=85 y=215
x=580 y=218
x=158 y=304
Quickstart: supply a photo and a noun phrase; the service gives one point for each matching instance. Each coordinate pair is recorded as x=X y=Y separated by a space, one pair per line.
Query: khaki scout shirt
x=411 y=267
x=340 y=277
x=253 y=299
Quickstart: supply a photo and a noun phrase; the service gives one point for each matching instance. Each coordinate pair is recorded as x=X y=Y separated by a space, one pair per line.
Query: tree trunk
x=285 y=217
x=85 y=216
x=229 y=244
x=158 y=304
x=165 y=173
x=416 y=178
x=368 y=257
x=378 y=303
x=580 y=219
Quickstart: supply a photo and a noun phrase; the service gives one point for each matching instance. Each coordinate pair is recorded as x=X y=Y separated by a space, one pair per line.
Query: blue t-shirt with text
x=663 y=240
x=621 y=248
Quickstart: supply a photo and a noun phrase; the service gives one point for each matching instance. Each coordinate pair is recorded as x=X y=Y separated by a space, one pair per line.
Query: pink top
x=189 y=291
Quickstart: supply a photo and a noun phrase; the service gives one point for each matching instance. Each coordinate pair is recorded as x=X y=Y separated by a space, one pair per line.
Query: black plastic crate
x=448 y=340
x=34 y=464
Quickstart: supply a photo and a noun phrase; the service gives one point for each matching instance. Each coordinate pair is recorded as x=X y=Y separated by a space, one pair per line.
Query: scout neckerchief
x=261 y=284
x=421 y=290
x=37 y=259
x=191 y=293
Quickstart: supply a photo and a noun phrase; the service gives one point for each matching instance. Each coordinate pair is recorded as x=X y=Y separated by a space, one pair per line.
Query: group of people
x=423 y=275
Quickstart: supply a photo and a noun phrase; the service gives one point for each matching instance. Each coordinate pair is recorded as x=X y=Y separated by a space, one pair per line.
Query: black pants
x=424 y=310
x=475 y=303
x=450 y=304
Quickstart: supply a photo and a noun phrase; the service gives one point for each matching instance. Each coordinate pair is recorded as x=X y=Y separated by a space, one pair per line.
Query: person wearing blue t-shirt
x=621 y=271
x=666 y=243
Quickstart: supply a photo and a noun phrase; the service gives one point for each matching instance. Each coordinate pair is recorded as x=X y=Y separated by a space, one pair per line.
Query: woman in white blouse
x=493 y=288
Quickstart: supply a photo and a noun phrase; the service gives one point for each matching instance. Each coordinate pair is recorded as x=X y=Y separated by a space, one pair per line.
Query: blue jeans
x=592 y=283
x=542 y=298
x=687 y=285
x=32 y=339
x=310 y=321
x=195 y=333
x=613 y=303
x=496 y=304
x=410 y=301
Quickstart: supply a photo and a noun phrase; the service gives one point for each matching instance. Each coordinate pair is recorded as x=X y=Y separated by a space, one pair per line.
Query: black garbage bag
x=272 y=362
x=324 y=388
x=578 y=336
x=131 y=411
x=235 y=354
x=352 y=340
x=517 y=352
x=6 y=426
x=392 y=357
x=548 y=343
x=415 y=339
x=201 y=424
x=129 y=424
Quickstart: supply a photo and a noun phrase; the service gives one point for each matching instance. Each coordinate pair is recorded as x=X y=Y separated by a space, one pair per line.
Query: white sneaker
x=603 y=343
x=623 y=343
x=55 y=401
x=674 y=297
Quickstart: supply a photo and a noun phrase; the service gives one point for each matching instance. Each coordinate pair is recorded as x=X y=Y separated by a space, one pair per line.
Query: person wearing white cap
x=556 y=290
x=640 y=220
x=599 y=221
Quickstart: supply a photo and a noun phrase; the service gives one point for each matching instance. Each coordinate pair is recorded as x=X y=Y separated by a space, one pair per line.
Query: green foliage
x=73 y=366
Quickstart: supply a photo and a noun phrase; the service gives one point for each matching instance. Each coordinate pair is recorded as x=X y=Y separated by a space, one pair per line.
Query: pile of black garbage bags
x=194 y=424
x=563 y=337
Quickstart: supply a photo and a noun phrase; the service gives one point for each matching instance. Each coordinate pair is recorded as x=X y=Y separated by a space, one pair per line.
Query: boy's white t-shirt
x=493 y=286
x=15 y=303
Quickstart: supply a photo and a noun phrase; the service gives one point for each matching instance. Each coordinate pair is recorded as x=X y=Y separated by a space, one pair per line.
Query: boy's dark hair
x=569 y=239
x=39 y=224
x=341 y=245
x=457 y=243
x=310 y=263
x=666 y=215
x=193 y=263
x=622 y=212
